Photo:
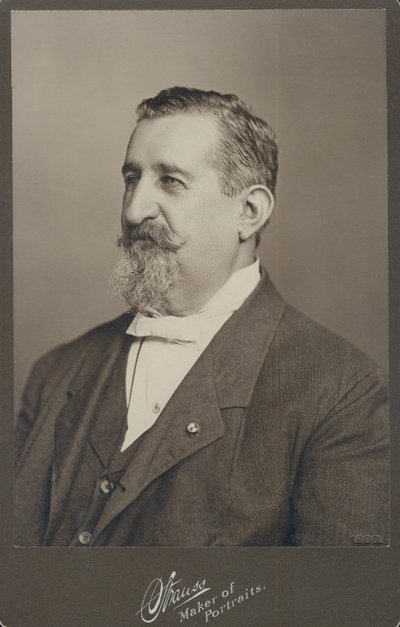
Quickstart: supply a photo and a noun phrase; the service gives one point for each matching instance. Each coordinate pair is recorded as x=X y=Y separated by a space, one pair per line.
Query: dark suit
x=292 y=446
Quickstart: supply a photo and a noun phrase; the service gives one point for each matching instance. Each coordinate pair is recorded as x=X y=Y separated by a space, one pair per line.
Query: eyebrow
x=129 y=166
x=165 y=168
x=168 y=168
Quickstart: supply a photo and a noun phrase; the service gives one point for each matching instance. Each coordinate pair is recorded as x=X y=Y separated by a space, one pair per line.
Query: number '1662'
x=366 y=539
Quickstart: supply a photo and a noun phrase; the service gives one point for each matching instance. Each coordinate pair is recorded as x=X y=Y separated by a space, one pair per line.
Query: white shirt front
x=157 y=366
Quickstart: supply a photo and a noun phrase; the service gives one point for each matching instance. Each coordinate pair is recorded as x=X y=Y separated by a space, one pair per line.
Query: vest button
x=105 y=486
x=193 y=427
x=156 y=408
x=85 y=537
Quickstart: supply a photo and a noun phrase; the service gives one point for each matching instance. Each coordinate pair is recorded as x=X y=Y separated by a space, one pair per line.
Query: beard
x=148 y=267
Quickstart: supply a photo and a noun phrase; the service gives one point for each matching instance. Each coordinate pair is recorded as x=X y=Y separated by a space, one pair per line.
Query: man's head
x=203 y=168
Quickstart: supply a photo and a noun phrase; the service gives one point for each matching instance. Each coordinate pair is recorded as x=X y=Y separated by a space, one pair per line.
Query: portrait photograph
x=201 y=332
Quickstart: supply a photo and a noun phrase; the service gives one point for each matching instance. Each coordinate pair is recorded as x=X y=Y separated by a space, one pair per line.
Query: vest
x=101 y=464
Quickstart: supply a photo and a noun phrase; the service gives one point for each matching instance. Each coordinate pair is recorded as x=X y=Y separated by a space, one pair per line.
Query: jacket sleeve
x=341 y=493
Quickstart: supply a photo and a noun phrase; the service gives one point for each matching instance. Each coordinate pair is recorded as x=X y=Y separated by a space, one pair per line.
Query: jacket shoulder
x=51 y=375
x=319 y=344
x=317 y=359
x=58 y=362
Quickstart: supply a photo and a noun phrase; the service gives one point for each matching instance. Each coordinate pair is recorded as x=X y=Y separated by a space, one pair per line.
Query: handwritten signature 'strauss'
x=159 y=596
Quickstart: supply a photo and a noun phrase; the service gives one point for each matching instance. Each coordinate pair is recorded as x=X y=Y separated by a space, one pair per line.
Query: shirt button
x=105 y=486
x=156 y=408
x=193 y=427
x=85 y=537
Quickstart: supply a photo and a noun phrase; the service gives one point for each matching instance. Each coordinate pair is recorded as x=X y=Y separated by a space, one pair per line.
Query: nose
x=139 y=204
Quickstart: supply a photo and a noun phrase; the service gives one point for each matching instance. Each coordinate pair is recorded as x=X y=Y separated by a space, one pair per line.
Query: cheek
x=216 y=232
x=223 y=223
x=207 y=222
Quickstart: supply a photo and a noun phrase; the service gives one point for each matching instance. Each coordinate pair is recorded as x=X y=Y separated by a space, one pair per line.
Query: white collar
x=187 y=328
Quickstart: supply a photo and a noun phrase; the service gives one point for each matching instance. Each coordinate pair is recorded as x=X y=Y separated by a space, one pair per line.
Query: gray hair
x=247 y=153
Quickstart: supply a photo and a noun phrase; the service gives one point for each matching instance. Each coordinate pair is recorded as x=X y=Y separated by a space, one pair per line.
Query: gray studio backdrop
x=317 y=76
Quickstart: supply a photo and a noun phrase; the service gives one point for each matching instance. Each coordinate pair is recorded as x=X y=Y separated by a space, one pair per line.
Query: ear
x=258 y=204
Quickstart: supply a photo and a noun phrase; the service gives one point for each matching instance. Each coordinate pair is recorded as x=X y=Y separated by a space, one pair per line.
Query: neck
x=194 y=289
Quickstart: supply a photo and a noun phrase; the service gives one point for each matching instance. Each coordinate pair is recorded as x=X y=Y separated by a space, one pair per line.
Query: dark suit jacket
x=292 y=446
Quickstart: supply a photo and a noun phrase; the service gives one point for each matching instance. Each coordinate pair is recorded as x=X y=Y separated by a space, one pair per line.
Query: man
x=213 y=413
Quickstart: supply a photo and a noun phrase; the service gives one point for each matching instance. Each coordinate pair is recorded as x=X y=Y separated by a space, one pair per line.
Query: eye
x=131 y=179
x=170 y=182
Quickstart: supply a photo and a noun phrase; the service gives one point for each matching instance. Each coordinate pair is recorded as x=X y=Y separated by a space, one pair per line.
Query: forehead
x=187 y=138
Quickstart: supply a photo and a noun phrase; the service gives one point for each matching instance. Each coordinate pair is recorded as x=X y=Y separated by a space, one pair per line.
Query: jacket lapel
x=240 y=348
x=224 y=376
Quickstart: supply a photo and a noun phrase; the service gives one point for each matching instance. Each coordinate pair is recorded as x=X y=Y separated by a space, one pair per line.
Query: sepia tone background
x=318 y=77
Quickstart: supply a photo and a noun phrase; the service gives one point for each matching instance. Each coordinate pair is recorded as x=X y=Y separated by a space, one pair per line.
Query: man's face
x=170 y=179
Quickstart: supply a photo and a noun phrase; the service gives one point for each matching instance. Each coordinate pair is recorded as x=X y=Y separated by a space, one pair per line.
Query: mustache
x=150 y=231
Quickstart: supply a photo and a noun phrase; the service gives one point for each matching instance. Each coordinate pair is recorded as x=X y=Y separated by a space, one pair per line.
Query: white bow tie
x=179 y=329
